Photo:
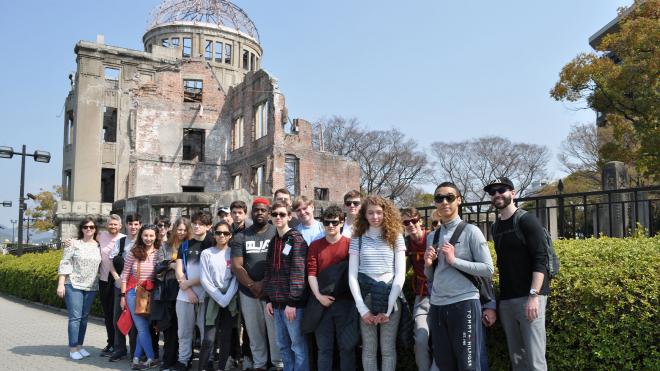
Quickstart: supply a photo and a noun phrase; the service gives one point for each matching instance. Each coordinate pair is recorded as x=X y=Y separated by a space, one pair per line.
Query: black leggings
x=221 y=330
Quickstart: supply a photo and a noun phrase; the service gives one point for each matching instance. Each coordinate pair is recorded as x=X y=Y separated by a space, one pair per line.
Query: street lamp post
x=39 y=156
x=13 y=224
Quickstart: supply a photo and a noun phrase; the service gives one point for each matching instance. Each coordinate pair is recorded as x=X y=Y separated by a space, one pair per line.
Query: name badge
x=287 y=249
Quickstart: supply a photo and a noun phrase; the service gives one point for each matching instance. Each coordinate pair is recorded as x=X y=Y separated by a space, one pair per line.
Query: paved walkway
x=34 y=338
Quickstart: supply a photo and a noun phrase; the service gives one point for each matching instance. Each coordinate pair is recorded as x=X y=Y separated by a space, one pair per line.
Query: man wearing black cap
x=524 y=285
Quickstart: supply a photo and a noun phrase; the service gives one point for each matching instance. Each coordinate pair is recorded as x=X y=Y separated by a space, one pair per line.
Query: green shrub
x=602 y=312
x=34 y=277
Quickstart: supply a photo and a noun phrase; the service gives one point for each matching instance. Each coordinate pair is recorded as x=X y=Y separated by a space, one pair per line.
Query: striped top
x=376 y=255
x=147 y=267
x=80 y=264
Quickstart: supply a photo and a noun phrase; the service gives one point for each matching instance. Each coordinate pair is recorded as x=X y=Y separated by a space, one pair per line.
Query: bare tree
x=473 y=163
x=580 y=152
x=389 y=162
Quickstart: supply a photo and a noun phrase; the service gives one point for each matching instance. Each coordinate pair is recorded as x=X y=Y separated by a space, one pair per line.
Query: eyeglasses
x=439 y=198
x=351 y=203
x=410 y=221
x=281 y=215
x=501 y=190
x=222 y=233
x=92 y=227
x=331 y=222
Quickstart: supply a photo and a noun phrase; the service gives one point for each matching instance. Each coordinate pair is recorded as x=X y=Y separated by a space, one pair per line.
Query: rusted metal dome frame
x=216 y=12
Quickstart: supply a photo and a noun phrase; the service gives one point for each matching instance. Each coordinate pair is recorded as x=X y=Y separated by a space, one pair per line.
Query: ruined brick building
x=193 y=112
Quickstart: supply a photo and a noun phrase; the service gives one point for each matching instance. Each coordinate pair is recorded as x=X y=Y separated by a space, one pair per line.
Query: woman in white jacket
x=220 y=284
x=376 y=257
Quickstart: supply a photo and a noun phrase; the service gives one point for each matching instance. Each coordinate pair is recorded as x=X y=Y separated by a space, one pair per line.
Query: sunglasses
x=161 y=225
x=92 y=227
x=410 y=221
x=439 y=198
x=351 y=203
x=222 y=233
x=501 y=190
x=281 y=215
x=331 y=222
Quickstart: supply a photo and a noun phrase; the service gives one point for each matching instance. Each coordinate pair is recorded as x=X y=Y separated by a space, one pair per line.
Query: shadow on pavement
x=61 y=352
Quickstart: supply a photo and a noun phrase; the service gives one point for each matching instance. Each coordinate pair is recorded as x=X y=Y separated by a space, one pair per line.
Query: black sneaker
x=117 y=356
x=107 y=351
x=179 y=367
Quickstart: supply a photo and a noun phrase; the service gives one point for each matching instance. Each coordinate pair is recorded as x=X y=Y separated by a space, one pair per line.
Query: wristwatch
x=533 y=292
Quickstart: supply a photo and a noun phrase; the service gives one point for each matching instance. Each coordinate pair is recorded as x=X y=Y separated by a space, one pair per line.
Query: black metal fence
x=614 y=213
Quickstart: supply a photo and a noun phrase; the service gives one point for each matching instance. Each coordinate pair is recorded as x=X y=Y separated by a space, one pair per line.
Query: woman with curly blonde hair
x=376 y=273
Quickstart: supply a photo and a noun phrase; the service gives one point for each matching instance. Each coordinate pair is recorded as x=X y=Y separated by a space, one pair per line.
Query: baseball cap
x=501 y=181
x=224 y=209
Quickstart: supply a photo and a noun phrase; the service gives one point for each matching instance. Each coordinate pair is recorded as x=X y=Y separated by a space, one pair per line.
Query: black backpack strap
x=517 y=215
x=452 y=240
x=122 y=243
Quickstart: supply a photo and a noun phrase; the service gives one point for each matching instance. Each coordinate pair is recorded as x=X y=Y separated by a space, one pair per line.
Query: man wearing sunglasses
x=455 y=310
x=325 y=255
x=352 y=204
x=249 y=250
x=283 y=195
x=524 y=285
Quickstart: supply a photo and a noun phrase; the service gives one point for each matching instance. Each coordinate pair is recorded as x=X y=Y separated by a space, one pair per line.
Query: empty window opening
x=69 y=128
x=192 y=90
x=218 y=51
x=165 y=43
x=175 y=42
x=187 y=47
x=236 y=181
x=237 y=133
x=111 y=73
x=67 y=185
x=252 y=64
x=107 y=185
x=246 y=60
x=261 y=120
x=258 y=180
x=291 y=174
x=193 y=145
x=192 y=189
x=227 y=53
x=322 y=194
x=208 y=50
x=109 y=124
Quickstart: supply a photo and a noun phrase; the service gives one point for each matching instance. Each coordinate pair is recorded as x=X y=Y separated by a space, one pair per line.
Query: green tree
x=622 y=82
x=44 y=209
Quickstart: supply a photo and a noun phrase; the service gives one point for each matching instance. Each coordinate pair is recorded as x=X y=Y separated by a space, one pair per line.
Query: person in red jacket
x=285 y=289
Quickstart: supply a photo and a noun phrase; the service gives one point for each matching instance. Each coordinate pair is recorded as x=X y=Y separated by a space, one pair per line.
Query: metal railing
x=614 y=213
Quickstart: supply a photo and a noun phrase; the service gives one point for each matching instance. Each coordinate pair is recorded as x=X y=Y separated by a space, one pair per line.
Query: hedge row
x=602 y=312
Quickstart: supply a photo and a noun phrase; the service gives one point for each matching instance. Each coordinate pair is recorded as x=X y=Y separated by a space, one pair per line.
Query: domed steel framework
x=216 y=12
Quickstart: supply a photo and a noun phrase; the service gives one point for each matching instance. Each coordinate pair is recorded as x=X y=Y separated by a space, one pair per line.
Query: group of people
x=270 y=288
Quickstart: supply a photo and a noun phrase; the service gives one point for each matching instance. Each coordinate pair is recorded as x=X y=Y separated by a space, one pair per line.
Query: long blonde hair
x=391 y=226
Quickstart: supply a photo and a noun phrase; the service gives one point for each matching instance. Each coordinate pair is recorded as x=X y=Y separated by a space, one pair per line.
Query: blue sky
x=437 y=70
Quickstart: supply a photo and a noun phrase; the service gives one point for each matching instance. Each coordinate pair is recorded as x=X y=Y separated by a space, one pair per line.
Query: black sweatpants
x=456 y=335
x=107 y=297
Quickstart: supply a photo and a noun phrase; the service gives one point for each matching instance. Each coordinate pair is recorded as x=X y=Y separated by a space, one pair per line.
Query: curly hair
x=139 y=249
x=391 y=226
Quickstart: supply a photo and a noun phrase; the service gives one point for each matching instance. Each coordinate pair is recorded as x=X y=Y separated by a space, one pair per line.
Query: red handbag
x=125 y=322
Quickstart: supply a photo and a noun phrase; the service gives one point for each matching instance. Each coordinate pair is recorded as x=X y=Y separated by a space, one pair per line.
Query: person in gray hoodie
x=455 y=313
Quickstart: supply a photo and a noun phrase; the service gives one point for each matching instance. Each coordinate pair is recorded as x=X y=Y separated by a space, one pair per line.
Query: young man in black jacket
x=524 y=284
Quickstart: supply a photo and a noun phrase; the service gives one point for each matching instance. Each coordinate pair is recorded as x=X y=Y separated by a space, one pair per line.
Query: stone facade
x=194 y=112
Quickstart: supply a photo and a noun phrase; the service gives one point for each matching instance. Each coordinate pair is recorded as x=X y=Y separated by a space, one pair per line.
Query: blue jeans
x=142 y=325
x=292 y=343
x=78 y=304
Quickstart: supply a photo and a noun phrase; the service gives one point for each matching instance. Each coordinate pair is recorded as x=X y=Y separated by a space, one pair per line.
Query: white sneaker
x=83 y=352
x=76 y=356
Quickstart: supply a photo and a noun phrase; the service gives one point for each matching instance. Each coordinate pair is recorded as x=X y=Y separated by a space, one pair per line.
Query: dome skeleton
x=215 y=12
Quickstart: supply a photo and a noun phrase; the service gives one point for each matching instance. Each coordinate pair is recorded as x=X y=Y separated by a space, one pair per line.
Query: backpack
x=552 y=265
x=118 y=261
x=483 y=284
